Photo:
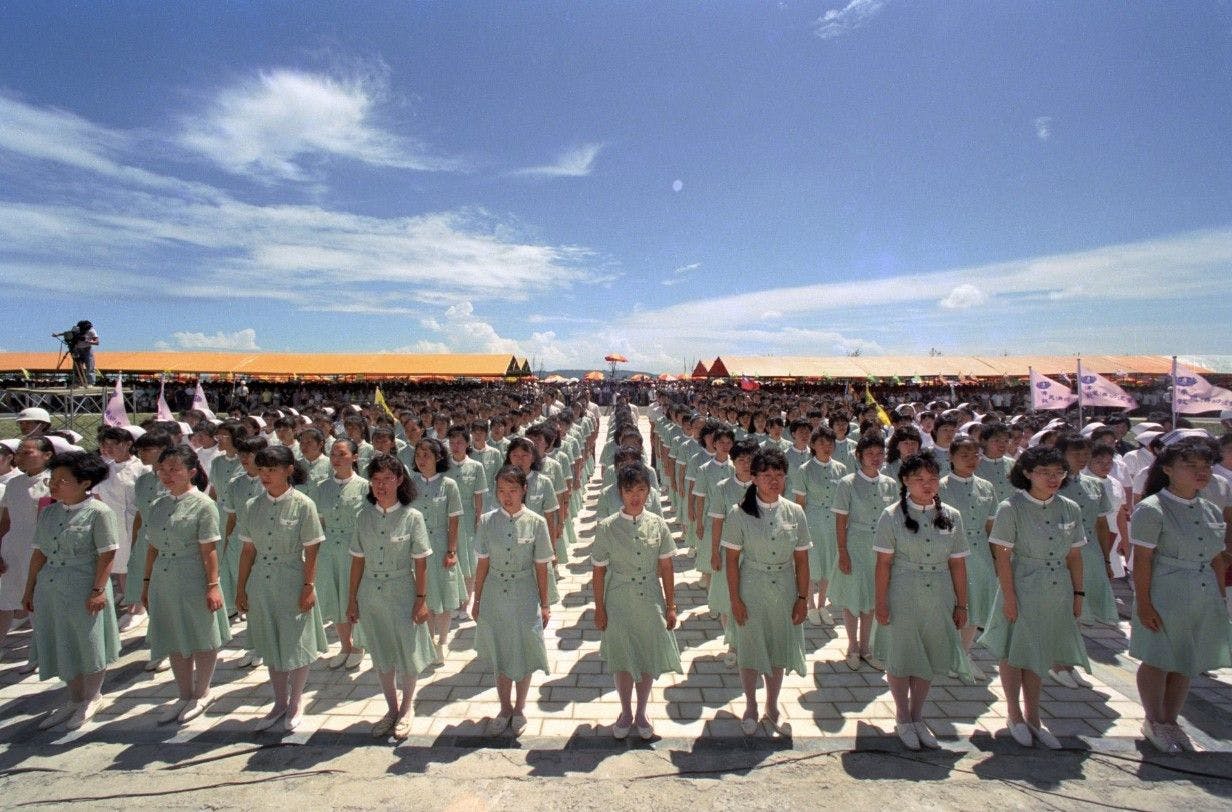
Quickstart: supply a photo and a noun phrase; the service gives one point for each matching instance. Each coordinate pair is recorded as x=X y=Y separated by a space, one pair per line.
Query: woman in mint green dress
x=277 y=584
x=388 y=588
x=995 y=461
x=339 y=499
x=976 y=501
x=815 y=484
x=921 y=593
x=858 y=503
x=472 y=482
x=635 y=598
x=241 y=490
x=720 y=499
x=610 y=503
x=511 y=597
x=1180 y=624
x=188 y=619
x=438 y=499
x=540 y=493
x=68 y=587
x=903 y=443
x=146 y=489
x=765 y=542
x=1037 y=536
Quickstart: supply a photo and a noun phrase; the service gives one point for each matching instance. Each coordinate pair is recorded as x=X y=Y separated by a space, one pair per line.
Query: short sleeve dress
x=768 y=544
x=472 y=481
x=438 y=500
x=509 y=631
x=339 y=503
x=241 y=490
x=71 y=641
x=817 y=482
x=637 y=640
x=610 y=503
x=920 y=640
x=21 y=499
x=1186 y=534
x=997 y=473
x=147 y=488
x=1091 y=496
x=1041 y=534
x=389 y=542
x=280 y=528
x=862 y=500
x=719 y=501
x=541 y=499
x=180 y=623
x=976 y=501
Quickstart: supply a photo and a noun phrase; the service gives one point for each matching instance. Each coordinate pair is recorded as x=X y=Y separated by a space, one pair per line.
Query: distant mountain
x=621 y=372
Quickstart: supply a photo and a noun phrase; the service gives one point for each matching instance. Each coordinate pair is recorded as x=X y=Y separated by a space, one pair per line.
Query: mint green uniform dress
x=862 y=500
x=976 y=501
x=71 y=641
x=541 y=499
x=241 y=490
x=726 y=494
x=768 y=544
x=280 y=529
x=942 y=456
x=845 y=452
x=609 y=502
x=438 y=500
x=389 y=542
x=1041 y=534
x=338 y=506
x=146 y=489
x=1092 y=497
x=318 y=470
x=1186 y=535
x=509 y=631
x=817 y=482
x=180 y=623
x=708 y=476
x=472 y=481
x=997 y=473
x=920 y=639
x=223 y=469
x=492 y=459
x=637 y=639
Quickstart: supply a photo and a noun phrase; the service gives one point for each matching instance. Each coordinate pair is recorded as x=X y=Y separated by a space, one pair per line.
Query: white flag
x=201 y=404
x=1096 y=390
x=1195 y=394
x=114 y=414
x=164 y=411
x=1048 y=394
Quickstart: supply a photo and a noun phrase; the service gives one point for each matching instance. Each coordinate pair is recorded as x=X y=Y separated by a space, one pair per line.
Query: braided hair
x=924 y=461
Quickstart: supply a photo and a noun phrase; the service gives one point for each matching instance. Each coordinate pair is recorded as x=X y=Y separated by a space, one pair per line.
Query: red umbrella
x=615 y=358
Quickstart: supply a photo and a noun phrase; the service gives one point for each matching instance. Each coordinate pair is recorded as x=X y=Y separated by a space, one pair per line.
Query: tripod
x=79 y=371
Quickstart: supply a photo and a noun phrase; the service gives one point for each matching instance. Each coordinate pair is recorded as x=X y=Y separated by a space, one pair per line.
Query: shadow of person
x=707 y=684
x=840 y=693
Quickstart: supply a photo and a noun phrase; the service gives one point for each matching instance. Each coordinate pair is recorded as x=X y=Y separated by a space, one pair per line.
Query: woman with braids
x=277 y=582
x=635 y=598
x=722 y=497
x=766 y=542
x=859 y=501
x=339 y=499
x=1037 y=536
x=921 y=593
x=182 y=589
x=815 y=484
x=1180 y=627
x=388 y=585
x=903 y=443
x=68 y=587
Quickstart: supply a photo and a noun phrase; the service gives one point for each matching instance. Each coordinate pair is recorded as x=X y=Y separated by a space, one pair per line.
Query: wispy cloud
x=839 y=21
x=284 y=124
x=680 y=274
x=1043 y=127
x=963 y=297
x=239 y=341
x=574 y=163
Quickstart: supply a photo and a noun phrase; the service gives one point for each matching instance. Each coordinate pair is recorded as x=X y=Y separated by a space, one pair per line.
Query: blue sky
x=669 y=180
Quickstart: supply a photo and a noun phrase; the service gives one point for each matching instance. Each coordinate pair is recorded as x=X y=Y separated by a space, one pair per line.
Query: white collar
x=344 y=481
x=827 y=463
x=767 y=505
x=80 y=504
x=741 y=482
x=191 y=490
x=920 y=508
x=509 y=515
x=284 y=497
x=958 y=478
x=866 y=477
x=1176 y=498
x=629 y=518
x=1047 y=501
x=432 y=478
x=392 y=509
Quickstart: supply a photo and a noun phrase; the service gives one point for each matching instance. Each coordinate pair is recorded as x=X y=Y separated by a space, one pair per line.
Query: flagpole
x=1031 y=389
x=1079 y=382
x=1174 y=391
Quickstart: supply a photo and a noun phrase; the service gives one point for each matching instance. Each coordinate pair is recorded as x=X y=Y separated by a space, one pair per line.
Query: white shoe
x=157 y=666
x=1044 y=737
x=270 y=719
x=1157 y=734
x=57 y=717
x=1079 y=679
x=1178 y=736
x=926 y=736
x=620 y=732
x=907 y=735
x=382 y=727
x=292 y=721
x=873 y=662
x=1021 y=734
x=172 y=711
x=196 y=706
x=729 y=658
x=338 y=660
x=646 y=733
x=749 y=727
x=245 y=661
x=826 y=617
x=1064 y=678
x=497 y=725
x=402 y=727
x=28 y=667
x=977 y=673
x=257 y=661
x=814 y=617
x=83 y=713
x=132 y=621
x=853 y=660
x=438 y=654
x=354 y=658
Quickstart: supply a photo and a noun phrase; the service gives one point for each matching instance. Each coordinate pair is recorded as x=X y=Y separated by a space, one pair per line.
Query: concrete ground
x=842 y=746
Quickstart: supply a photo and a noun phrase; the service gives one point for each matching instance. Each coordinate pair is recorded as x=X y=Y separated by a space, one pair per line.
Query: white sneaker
x=58 y=716
x=172 y=711
x=1157 y=734
x=1178 y=736
x=338 y=660
x=814 y=617
x=853 y=660
x=926 y=736
x=1079 y=679
x=257 y=661
x=28 y=667
x=873 y=662
x=246 y=660
x=83 y=713
x=1045 y=737
x=132 y=621
x=976 y=672
x=157 y=666
x=1064 y=678
x=196 y=707
x=438 y=654
x=826 y=617
x=270 y=719
x=907 y=735
x=1021 y=734
x=354 y=659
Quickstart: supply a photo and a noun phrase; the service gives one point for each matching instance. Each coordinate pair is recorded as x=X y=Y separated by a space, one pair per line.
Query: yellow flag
x=25 y=373
x=881 y=413
x=380 y=401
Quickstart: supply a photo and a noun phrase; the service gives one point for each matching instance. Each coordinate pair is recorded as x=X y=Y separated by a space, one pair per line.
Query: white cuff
x=963 y=554
x=355 y=554
x=1140 y=543
x=421 y=555
x=883 y=550
x=594 y=563
x=459 y=513
x=728 y=545
x=839 y=511
x=210 y=540
x=1001 y=542
x=314 y=542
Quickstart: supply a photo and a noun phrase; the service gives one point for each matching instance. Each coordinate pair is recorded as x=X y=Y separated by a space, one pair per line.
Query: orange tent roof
x=258 y=365
x=966 y=366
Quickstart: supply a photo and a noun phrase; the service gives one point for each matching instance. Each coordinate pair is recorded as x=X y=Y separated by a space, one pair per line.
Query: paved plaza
x=831 y=708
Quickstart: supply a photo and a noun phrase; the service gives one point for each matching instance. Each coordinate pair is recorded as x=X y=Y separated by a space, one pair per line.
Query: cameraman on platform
x=81 y=341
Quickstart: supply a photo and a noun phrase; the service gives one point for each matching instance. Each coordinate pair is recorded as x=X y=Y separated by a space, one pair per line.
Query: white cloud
x=964 y=296
x=574 y=163
x=679 y=274
x=1043 y=127
x=241 y=341
x=837 y=22
x=284 y=123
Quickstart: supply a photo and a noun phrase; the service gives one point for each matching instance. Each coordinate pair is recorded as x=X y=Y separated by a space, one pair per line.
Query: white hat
x=1090 y=428
x=213 y=421
x=966 y=427
x=293 y=411
x=34 y=414
x=1144 y=427
x=1144 y=439
x=1176 y=435
x=1055 y=423
x=134 y=431
x=260 y=423
x=60 y=445
x=1016 y=419
x=73 y=436
x=1036 y=437
x=185 y=429
x=329 y=411
x=11 y=445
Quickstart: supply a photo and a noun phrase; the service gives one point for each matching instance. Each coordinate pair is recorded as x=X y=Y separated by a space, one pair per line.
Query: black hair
x=962 y=442
x=724 y=431
x=924 y=461
x=866 y=442
x=382 y=431
x=943 y=420
x=1102 y=432
x=902 y=434
x=248 y=445
x=1036 y=457
x=991 y=430
x=525 y=444
x=460 y=431
x=512 y=473
x=822 y=432
x=153 y=439
x=744 y=448
x=191 y=461
x=1073 y=441
x=314 y=434
x=284 y=423
x=1188 y=450
x=632 y=475
x=625 y=455
x=114 y=434
x=438 y=451
x=391 y=464
x=798 y=424
x=279 y=456
x=767 y=459
x=84 y=466
x=1102 y=450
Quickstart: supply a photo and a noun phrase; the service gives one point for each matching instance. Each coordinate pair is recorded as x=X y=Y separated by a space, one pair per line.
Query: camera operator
x=81 y=341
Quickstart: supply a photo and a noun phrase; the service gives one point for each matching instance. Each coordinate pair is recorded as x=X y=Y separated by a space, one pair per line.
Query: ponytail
x=749 y=503
x=910 y=523
x=942 y=522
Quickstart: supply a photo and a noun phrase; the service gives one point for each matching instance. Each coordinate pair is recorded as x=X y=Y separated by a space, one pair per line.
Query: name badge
x=526 y=539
